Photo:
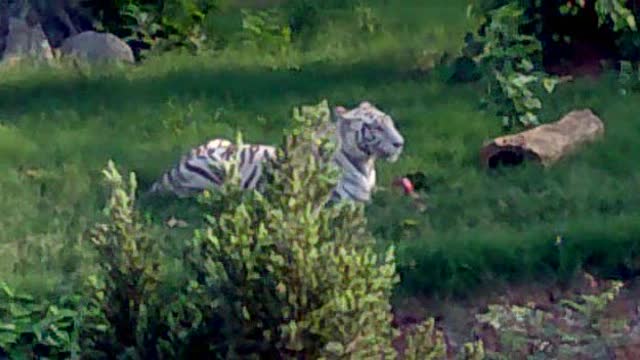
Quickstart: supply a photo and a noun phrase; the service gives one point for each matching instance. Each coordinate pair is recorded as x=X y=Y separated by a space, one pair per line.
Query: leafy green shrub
x=299 y=279
x=510 y=46
x=122 y=315
x=367 y=19
x=509 y=58
x=37 y=329
x=268 y=32
x=614 y=12
x=473 y=351
x=303 y=15
x=306 y=16
x=159 y=25
x=143 y=24
x=131 y=310
x=628 y=78
x=609 y=25
x=425 y=342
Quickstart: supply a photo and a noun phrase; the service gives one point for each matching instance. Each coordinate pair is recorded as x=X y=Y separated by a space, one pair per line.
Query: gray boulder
x=97 y=47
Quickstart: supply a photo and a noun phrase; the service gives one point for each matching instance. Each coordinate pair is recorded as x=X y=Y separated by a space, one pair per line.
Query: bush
x=266 y=30
x=299 y=279
x=424 y=342
x=303 y=15
x=517 y=38
x=122 y=315
x=368 y=20
x=161 y=25
x=511 y=60
x=37 y=328
x=541 y=16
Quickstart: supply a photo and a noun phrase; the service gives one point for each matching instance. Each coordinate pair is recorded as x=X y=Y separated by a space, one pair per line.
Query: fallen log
x=544 y=144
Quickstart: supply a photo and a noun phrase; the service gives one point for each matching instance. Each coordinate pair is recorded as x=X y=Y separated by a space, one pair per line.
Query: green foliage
x=614 y=10
x=425 y=342
x=268 y=32
x=628 y=78
x=511 y=36
x=32 y=328
x=299 y=278
x=160 y=25
x=617 y=12
x=473 y=351
x=367 y=19
x=266 y=29
x=570 y=329
x=121 y=307
x=144 y=23
x=613 y=16
x=183 y=21
x=509 y=56
x=303 y=15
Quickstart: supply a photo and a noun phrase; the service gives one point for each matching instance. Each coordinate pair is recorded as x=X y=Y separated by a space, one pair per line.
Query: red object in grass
x=405 y=184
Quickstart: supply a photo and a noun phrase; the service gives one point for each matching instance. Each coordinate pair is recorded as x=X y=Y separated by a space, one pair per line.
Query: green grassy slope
x=59 y=128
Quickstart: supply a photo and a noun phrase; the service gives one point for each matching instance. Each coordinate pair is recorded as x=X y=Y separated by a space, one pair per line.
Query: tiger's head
x=367 y=132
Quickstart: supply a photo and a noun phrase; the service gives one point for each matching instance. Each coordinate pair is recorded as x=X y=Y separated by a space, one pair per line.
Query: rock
x=545 y=144
x=26 y=41
x=97 y=47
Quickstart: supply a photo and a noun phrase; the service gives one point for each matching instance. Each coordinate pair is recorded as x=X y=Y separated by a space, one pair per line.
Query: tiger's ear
x=342 y=121
x=338 y=113
x=339 y=110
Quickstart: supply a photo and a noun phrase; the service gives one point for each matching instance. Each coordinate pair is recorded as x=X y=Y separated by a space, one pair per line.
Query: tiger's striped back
x=203 y=168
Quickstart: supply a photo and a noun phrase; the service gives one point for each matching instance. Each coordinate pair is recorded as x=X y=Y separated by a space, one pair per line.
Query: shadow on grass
x=250 y=87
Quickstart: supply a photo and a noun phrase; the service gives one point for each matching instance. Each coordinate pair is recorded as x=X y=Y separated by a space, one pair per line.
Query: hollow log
x=546 y=143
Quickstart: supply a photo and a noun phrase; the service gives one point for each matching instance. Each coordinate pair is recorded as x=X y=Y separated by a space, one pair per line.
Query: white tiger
x=364 y=133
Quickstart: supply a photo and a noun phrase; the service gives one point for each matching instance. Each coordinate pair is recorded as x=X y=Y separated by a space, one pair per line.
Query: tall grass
x=58 y=128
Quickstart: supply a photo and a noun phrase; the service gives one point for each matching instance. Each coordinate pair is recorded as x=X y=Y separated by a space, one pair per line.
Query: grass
x=59 y=127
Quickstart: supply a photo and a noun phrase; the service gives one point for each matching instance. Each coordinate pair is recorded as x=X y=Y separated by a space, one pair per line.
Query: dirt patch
x=582 y=59
x=575 y=45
